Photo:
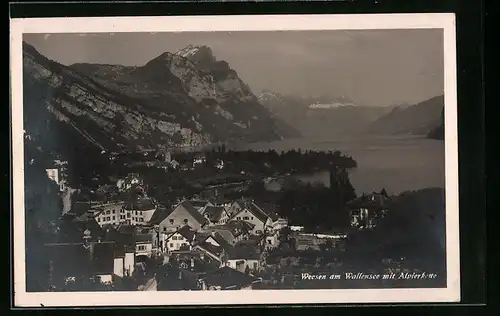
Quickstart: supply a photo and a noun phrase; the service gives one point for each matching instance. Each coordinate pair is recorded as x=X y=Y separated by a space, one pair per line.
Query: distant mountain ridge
x=438 y=131
x=321 y=116
x=417 y=119
x=184 y=100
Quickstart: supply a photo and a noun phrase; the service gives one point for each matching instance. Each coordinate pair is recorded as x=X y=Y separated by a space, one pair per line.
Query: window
x=113 y=211
x=98 y=219
x=171 y=221
x=128 y=215
x=108 y=218
x=141 y=247
x=141 y=219
x=251 y=218
x=185 y=221
x=171 y=245
x=255 y=265
x=136 y=213
x=113 y=218
x=107 y=212
x=164 y=229
x=238 y=218
x=246 y=218
x=174 y=237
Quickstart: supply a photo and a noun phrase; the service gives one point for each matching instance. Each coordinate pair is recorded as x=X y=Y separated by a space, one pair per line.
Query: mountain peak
x=197 y=53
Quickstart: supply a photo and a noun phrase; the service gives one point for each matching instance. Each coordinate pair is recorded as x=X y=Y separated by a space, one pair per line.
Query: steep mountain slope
x=418 y=119
x=171 y=101
x=193 y=83
x=78 y=105
x=321 y=116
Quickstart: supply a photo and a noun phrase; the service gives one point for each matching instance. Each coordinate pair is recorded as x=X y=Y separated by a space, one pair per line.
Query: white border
x=444 y=21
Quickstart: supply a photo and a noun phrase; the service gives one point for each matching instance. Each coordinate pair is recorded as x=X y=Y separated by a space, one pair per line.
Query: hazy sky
x=373 y=67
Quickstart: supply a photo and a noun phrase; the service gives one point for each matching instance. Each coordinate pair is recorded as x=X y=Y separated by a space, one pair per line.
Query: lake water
x=394 y=163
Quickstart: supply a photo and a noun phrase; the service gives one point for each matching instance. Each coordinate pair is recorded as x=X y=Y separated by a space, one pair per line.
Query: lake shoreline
x=396 y=163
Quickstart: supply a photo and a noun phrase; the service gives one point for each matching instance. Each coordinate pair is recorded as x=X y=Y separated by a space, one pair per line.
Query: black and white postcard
x=309 y=159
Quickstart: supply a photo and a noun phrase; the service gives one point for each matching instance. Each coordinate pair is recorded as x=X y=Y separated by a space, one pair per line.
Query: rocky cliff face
x=187 y=99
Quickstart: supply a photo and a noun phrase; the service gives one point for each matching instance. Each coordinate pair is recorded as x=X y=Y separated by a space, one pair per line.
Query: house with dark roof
x=233 y=231
x=200 y=204
x=125 y=247
x=173 y=278
x=183 y=214
x=158 y=216
x=252 y=213
x=138 y=211
x=245 y=257
x=181 y=239
x=213 y=245
x=227 y=278
x=194 y=261
x=366 y=210
x=236 y=206
x=216 y=215
x=143 y=245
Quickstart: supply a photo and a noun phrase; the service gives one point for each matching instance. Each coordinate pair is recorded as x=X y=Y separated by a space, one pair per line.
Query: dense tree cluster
x=272 y=162
x=414 y=229
x=314 y=206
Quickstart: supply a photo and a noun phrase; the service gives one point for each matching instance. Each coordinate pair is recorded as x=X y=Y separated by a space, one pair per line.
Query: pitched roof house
x=183 y=214
x=245 y=257
x=232 y=231
x=194 y=260
x=200 y=204
x=138 y=211
x=214 y=246
x=158 y=216
x=252 y=213
x=226 y=278
x=367 y=209
x=172 y=278
x=182 y=238
x=216 y=215
x=143 y=244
